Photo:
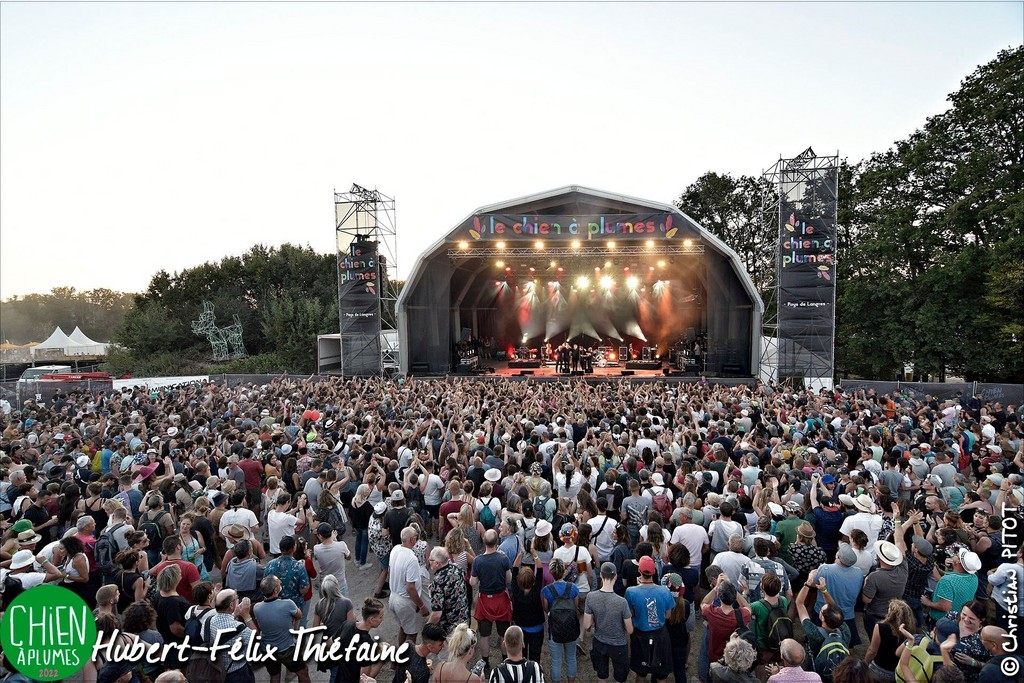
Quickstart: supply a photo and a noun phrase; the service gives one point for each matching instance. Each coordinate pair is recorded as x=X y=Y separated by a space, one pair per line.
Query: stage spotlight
x=532 y=269
x=463 y=245
x=508 y=268
x=611 y=245
x=611 y=356
x=553 y=264
x=500 y=264
x=497 y=283
x=651 y=268
x=607 y=264
x=661 y=264
x=687 y=242
x=539 y=244
x=575 y=244
x=501 y=245
x=650 y=243
x=561 y=269
x=583 y=281
x=607 y=282
x=631 y=282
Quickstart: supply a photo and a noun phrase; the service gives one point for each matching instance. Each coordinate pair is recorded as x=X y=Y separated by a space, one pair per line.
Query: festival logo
x=612 y=226
x=48 y=633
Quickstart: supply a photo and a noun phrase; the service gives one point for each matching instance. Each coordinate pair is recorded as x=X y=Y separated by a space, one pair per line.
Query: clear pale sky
x=135 y=137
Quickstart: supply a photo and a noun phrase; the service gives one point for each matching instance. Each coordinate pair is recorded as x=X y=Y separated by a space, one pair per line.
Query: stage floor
x=502 y=369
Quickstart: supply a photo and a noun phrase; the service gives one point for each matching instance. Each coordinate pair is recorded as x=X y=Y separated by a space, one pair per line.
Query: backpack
x=540 y=508
x=105 y=550
x=832 y=652
x=742 y=631
x=780 y=626
x=12 y=588
x=332 y=516
x=922 y=664
x=154 y=531
x=563 y=623
x=636 y=517
x=487 y=514
x=663 y=504
x=200 y=666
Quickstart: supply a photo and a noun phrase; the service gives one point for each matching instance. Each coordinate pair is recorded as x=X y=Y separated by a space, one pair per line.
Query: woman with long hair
x=676 y=621
x=74 y=566
x=303 y=555
x=852 y=670
x=472 y=529
x=362 y=509
x=461 y=649
x=332 y=611
x=621 y=554
x=459 y=550
x=67 y=508
x=290 y=476
x=193 y=547
x=882 y=657
x=528 y=611
x=129 y=581
x=805 y=553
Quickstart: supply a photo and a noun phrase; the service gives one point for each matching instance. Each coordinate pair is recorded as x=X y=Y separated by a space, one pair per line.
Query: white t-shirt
x=492 y=503
x=434 y=489
x=279 y=525
x=641 y=444
x=28 y=579
x=605 y=541
x=870 y=524
x=694 y=537
x=404 y=568
x=569 y=489
x=243 y=516
x=567 y=554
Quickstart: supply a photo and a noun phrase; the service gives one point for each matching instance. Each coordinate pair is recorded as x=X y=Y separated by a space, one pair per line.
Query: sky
x=136 y=137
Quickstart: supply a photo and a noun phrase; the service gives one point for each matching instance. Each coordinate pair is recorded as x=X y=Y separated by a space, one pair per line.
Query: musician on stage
x=586 y=360
x=575 y=357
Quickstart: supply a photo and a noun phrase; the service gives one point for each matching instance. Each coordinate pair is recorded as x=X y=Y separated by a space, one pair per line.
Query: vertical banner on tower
x=808 y=189
x=359 y=308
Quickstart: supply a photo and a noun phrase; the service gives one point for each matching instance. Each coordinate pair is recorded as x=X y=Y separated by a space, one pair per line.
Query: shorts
x=496 y=607
x=285 y=658
x=408 y=617
x=485 y=628
x=601 y=653
x=385 y=561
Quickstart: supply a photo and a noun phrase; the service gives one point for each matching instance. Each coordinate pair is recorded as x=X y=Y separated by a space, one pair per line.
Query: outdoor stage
x=547 y=373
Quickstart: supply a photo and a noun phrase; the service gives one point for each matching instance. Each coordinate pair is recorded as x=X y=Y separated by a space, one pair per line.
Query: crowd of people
x=789 y=535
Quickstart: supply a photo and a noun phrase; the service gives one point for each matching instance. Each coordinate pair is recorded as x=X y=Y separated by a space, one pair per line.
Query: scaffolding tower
x=364 y=216
x=809 y=184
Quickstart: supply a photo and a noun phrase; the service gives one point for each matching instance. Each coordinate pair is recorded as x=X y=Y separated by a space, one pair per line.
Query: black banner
x=617 y=226
x=359 y=308
x=806 y=268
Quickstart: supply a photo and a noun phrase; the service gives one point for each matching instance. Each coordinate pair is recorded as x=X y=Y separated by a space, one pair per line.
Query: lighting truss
x=532 y=253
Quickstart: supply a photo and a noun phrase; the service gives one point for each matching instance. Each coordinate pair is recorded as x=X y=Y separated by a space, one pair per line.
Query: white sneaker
x=365 y=567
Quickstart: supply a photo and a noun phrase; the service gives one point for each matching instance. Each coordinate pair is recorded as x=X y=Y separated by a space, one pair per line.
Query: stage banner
x=618 y=226
x=806 y=268
x=359 y=308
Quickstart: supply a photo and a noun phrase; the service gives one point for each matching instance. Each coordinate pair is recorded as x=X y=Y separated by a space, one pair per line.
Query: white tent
x=76 y=345
x=57 y=340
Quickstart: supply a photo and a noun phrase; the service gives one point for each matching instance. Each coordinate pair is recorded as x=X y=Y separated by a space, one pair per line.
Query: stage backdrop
x=359 y=286
x=807 y=287
x=618 y=226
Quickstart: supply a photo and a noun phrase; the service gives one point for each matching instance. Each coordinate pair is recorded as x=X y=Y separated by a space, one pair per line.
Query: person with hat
x=886 y=583
x=956 y=587
x=18 y=538
x=21 y=570
x=866 y=519
x=843 y=581
x=609 y=615
x=650 y=643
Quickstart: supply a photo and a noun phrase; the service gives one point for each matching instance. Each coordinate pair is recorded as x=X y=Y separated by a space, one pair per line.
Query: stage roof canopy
x=560 y=236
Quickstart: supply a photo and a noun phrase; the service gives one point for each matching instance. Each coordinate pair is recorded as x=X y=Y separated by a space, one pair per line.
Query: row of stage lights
x=605 y=282
x=575 y=244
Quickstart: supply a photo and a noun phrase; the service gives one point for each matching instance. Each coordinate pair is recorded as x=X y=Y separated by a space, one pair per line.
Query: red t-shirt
x=446 y=509
x=252 y=470
x=720 y=626
x=189 y=576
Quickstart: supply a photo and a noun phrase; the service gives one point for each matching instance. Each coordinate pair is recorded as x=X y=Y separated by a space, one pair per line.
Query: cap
x=935 y=480
x=607 y=569
x=923 y=546
x=380 y=508
x=647 y=567
x=324 y=530
x=658 y=479
x=792 y=507
x=397 y=496
x=828 y=479
x=672 y=581
x=22 y=525
x=847 y=556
